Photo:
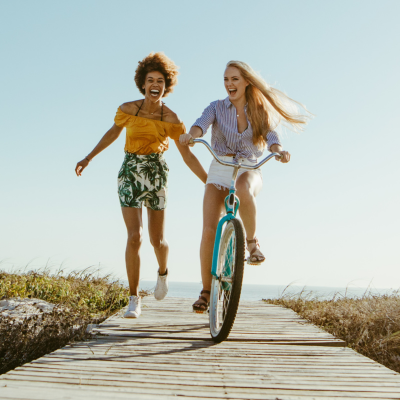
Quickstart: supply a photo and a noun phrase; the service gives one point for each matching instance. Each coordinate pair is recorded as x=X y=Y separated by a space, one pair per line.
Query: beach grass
x=369 y=324
x=81 y=298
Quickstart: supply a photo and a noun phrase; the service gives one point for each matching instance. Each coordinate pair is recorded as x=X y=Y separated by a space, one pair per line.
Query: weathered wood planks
x=167 y=353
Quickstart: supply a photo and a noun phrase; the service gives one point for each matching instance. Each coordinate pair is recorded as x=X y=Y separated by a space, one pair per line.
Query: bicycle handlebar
x=232 y=164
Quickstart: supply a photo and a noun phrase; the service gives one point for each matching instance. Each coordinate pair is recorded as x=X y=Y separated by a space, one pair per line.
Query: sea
x=259 y=292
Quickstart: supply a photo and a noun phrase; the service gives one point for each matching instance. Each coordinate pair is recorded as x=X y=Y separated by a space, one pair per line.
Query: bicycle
x=228 y=257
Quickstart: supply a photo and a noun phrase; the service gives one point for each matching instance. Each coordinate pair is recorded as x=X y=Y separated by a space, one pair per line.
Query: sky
x=328 y=218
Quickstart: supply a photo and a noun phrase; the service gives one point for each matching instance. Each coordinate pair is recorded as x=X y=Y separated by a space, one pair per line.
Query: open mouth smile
x=232 y=91
x=154 y=92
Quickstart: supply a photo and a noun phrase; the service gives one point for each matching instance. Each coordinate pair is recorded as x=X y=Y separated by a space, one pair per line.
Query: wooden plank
x=204 y=379
x=51 y=391
x=195 y=373
x=210 y=391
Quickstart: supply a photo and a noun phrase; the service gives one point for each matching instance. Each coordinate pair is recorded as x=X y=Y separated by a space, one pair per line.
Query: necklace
x=155 y=110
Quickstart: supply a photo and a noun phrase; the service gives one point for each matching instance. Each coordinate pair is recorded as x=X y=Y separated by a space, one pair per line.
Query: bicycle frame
x=231 y=206
x=231 y=200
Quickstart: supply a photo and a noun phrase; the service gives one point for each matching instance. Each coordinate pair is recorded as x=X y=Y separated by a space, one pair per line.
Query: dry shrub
x=26 y=339
x=82 y=298
x=369 y=325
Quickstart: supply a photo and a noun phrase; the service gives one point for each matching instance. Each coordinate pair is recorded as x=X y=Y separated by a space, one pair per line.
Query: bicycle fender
x=217 y=242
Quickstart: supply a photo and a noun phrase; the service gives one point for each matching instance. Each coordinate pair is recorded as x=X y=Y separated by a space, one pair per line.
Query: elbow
x=116 y=135
x=113 y=135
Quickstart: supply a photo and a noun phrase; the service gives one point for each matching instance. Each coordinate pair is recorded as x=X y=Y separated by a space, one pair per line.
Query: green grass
x=370 y=325
x=82 y=298
x=83 y=291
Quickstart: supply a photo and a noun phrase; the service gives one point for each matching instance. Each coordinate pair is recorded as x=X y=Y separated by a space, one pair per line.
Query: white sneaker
x=161 y=289
x=134 y=309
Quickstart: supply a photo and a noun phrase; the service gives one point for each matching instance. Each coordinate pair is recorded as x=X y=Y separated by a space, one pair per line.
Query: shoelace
x=133 y=301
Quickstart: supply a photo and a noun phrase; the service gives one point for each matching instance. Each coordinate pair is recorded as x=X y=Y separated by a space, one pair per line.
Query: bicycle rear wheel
x=226 y=289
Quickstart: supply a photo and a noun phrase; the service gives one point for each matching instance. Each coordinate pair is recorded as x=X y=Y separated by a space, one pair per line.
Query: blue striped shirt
x=225 y=138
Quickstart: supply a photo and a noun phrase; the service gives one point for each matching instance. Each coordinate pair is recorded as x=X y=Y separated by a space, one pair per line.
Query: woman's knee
x=244 y=192
x=208 y=233
x=158 y=241
x=135 y=238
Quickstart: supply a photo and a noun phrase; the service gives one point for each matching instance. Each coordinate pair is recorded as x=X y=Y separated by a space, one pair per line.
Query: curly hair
x=161 y=63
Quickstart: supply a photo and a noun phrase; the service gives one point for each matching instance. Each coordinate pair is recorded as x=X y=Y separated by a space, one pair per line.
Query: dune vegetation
x=81 y=298
x=370 y=324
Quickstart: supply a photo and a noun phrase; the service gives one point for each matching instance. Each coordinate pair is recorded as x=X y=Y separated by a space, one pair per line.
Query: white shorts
x=221 y=175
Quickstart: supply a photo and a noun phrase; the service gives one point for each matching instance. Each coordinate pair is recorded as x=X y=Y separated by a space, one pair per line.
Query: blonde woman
x=242 y=126
x=143 y=177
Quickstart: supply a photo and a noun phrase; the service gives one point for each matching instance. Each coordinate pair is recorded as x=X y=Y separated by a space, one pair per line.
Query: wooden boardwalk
x=167 y=354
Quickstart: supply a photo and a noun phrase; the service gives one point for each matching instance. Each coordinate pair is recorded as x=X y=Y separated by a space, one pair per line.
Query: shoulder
x=271 y=136
x=216 y=105
x=170 y=116
x=131 y=107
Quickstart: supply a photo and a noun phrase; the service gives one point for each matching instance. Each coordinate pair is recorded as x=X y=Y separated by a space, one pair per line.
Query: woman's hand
x=285 y=156
x=81 y=166
x=185 y=139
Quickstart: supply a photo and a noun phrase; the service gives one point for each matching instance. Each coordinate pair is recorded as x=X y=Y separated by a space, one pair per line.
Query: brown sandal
x=254 y=259
x=202 y=307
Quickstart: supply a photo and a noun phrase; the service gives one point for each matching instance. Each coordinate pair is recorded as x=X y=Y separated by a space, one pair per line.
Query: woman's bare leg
x=156 y=220
x=134 y=226
x=248 y=185
x=213 y=205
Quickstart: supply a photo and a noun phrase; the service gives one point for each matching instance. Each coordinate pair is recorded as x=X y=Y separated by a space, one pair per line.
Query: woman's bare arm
x=191 y=161
x=110 y=136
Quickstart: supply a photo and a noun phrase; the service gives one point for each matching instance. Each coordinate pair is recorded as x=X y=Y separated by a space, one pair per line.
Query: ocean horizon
x=259 y=292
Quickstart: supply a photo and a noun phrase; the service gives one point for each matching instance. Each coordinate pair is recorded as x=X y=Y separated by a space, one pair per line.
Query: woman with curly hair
x=242 y=127
x=143 y=177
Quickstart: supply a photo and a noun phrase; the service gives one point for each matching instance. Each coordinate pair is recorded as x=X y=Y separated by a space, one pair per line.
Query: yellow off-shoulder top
x=146 y=136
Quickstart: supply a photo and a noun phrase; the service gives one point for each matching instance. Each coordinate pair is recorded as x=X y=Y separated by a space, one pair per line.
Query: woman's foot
x=200 y=306
x=255 y=257
x=134 y=309
x=161 y=289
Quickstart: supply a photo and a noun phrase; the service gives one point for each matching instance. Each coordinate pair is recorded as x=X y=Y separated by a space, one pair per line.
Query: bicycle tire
x=224 y=301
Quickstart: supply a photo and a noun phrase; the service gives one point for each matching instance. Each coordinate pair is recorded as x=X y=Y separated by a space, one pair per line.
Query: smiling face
x=235 y=84
x=154 y=85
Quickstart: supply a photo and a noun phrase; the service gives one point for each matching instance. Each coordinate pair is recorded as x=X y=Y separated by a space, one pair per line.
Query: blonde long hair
x=268 y=107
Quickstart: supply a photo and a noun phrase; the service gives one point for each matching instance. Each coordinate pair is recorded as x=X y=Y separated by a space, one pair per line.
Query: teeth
x=155 y=91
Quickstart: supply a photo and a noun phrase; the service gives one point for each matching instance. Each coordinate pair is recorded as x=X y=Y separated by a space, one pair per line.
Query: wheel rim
x=221 y=290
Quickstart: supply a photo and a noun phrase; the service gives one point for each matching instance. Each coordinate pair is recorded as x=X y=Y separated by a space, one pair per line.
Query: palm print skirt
x=143 y=179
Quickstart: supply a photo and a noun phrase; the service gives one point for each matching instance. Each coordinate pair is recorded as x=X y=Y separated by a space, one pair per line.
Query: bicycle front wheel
x=226 y=289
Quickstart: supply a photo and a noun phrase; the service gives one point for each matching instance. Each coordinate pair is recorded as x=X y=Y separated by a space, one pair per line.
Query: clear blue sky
x=329 y=217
